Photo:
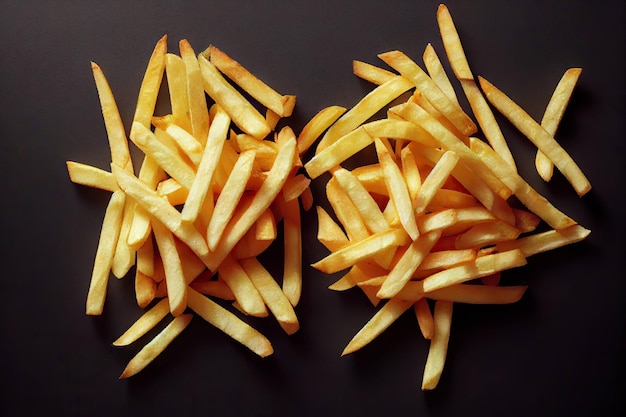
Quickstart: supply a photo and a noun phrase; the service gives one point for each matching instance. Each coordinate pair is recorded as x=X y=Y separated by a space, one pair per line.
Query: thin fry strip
x=177 y=86
x=435 y=180
x=144 y=324
x=292 y=264
x=174 y=276
x=438 y=346
x=543 y=140
x=371 y=73
x=437 y=73
x=229 y=323
x=198 y=112
x=545 y=241
x=246 y=295
x=104 y=254
x=317 y=125
x=479 y=294
x=157 y=345
x=452 y=44
x=383 y=318
x=424 y=318
x=91 y=176
x=553 y=115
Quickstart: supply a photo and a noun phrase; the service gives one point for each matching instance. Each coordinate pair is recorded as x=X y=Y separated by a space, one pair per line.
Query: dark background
x=560 y=351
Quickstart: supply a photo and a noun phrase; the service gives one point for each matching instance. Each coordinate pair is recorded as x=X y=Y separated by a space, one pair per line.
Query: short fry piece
x=438 y=346
x=144 y=324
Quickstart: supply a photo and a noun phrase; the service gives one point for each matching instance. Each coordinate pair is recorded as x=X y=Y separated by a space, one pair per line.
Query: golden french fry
x=371 y=73
x=145 y=289
x=479 y=294
x=104 y=253
x=198 y=113
x=240 y=110
x=292 y=263
x=229 y=323
x=176 y=72
x=435 y=180
x=246 y=295
x=263 y=93
x=437 y=73
x=424 y=318
x=191 y=147
x=124 y=257
x=438 y=350
x=452 y=44
x=91 y=176
x=157 y=345
x=383 y=318
x=174 y=276
x=144 y=324
x=544 y=141
x=329 y=233
x=553 y=115
x=545 y=241
x=485 y=234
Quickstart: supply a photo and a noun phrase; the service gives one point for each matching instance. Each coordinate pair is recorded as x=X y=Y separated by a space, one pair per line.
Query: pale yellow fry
x=292 y=270
x=410 y=172
x=214 y=288
x=104 y=253
x=424 y=318
x=174 y=276
x=91 y=176
x=543 y=140
x=408 y=263
x=467 y=217
x=553 y=115
x=487 y=121
x=177 y=85
x=383 y=318
x=145 y=258
x=443 y=259
x=438 y=346
x=364 y=249
x=198 y=111
x=524 y=192
x=295 y=186
x=482 y=266
x=118 y=142
x=438 y=73
x=124 y=257
x=144 y=324
x=175 y=193
x=329 y=233
x=485 y=234
x=545 y=241
x=478 y=294
x=240 y=110
x=247 y=296
x=317 y=125
x=229 y=197
x=206 y=170
x=363 y=201
x=263 y=93
x=229 y=323
x=150 y=173
x=439 y=220
x=157 y=345
x=171 y=163
x=398 y=190
x=145 y=289
x=452 y=44
x=435 y=180
x=369 y=105
x=264 y=197
x=272 y=294
x=408 y=68
x=150 y=85
x=371 y=73
x=345 y=209
x=161 y=209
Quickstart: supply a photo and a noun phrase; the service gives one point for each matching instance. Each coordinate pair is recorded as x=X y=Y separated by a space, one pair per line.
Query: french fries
x=212 y=185
x=432 y=221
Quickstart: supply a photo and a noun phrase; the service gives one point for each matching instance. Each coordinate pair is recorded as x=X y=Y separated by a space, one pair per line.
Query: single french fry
x=157 y=345
x=292 y=263
x=176 y=72
x=198 y=112
x=124 y=257
x=424 y=318
x=452 y=44
x=485 y=234
x=104 y=253
x=145 y=289
x=116 y=133
x=545 y=241
x=91 y=176
x=544 y=141
x=371 y=73
x=229 y=323
x=398 y=190
x=174 y=276
x=150 y=85
x=185 y=140
x=410 y=172
x=553 y=115
x=240 y=110
x=383 y=318
x=437 y=352
x=144 y=324
x=272 y=294
x=435 y=180
x=214 y=288
x=263 y=93
x=229 y=197
x=437 y=73
x=329 y=233
x=344 y=209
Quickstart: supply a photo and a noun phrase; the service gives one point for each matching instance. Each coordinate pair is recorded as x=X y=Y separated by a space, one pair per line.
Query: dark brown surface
x=560 y=351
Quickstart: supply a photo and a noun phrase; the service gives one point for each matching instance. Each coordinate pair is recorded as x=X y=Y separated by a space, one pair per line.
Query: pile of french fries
x=432 y=222
x=215 y=180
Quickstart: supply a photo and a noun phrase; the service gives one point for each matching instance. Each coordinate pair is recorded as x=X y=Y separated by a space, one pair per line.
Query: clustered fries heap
x=433 y=218
x=215 y=180
x=431 y=223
